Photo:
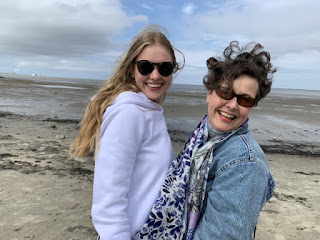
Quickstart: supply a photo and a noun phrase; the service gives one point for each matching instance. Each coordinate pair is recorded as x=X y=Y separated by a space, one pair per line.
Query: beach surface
x=45 y=194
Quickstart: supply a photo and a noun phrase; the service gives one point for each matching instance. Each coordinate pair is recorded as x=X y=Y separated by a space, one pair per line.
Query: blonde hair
x=119 y=82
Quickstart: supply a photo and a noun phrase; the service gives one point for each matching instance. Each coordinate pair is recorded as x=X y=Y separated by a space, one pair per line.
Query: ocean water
x=288 y=114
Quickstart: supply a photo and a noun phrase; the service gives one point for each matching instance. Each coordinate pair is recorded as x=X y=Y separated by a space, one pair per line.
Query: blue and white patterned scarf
x=176 y=211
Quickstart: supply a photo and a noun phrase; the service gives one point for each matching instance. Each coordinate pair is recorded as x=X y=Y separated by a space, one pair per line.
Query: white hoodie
x=134 y=156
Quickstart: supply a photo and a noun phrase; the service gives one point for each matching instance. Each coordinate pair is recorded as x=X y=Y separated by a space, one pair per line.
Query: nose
x=232 y=103
x=155 y=74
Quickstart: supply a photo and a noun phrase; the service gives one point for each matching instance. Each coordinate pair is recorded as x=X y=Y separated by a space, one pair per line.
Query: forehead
x=155 y=53
x=246 y=85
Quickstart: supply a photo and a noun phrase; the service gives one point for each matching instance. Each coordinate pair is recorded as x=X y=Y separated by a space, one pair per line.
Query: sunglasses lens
x=225 y=93
x=166 y=69
x=246 y=101
x=145 y=67
x=243 y=100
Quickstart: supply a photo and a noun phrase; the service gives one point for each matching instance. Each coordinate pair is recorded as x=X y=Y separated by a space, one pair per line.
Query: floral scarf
x=176 y=211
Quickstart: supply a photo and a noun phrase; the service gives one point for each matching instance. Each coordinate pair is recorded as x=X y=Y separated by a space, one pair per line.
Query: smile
x=227 y=115
x=154 y=85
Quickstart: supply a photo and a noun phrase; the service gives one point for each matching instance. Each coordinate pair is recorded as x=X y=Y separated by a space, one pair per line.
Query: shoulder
x=239 y=158
x=124 y=112
x=131 y=110
x=127 y=104
x=241 y=145
x=240 y=149
x=138 y=99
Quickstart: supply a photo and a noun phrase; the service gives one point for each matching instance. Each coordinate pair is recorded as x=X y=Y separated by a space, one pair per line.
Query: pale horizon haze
x=84 y=38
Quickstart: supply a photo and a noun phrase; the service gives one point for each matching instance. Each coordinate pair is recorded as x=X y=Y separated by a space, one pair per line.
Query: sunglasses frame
x=241 y=98
x=159 y=65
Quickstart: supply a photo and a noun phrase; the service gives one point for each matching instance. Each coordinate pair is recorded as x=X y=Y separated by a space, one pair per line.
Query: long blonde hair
x=119 y=82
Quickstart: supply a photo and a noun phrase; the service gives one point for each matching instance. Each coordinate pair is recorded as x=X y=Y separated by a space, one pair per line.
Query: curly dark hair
x=236 y=61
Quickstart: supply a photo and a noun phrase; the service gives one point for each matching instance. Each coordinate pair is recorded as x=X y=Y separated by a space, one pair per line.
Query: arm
x=234 y=202
x=121 y=136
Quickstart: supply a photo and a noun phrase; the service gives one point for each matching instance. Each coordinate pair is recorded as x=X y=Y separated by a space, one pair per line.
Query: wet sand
x=45 y=194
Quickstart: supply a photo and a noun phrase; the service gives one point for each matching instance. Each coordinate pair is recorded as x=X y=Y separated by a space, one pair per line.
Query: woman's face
x=154 y=86
x=228 y=115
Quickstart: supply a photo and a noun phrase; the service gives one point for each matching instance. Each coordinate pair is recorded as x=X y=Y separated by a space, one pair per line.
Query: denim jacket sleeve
x=234 y=199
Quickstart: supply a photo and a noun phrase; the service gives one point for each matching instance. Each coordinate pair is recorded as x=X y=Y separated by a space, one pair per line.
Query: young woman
x=124 y=122
x=218 y=184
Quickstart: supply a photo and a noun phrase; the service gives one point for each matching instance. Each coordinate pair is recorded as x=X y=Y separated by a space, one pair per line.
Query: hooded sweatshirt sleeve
x=122 y=133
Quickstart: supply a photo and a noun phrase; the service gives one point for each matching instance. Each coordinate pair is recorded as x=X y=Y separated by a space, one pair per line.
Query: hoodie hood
x=139 y=99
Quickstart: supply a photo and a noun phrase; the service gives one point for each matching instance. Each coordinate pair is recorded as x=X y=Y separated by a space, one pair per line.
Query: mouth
x=154 y=85
x=227 y=116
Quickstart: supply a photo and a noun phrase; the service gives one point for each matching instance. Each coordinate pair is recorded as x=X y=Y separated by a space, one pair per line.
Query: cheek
x=211 y=108
x=214 y=103
x=168 y=80
x=139 y=79
x=245 y=113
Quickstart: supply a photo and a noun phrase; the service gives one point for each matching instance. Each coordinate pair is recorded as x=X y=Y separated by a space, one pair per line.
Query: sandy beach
x=45 y=194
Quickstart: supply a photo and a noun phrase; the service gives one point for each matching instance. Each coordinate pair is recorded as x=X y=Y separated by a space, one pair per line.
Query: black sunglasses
x=242 y=99
x=146 y=68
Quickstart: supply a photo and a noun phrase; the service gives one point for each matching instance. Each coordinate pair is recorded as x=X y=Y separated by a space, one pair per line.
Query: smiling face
x=154 y=86
x=228 y=115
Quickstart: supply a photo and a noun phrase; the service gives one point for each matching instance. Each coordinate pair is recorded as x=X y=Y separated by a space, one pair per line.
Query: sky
x=84 y=38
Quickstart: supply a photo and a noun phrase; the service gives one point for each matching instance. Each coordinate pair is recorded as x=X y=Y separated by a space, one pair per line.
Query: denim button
x=271 y=182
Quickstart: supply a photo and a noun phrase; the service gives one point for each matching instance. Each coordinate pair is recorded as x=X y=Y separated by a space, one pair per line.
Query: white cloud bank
x=61 y=27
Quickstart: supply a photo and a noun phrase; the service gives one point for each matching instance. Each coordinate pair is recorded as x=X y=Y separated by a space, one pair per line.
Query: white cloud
x=189 y=8
x=305 y=60
x=285 y=25
x=61 y=27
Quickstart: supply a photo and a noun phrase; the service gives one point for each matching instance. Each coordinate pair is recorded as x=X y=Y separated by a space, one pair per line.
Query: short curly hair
x=236 y=61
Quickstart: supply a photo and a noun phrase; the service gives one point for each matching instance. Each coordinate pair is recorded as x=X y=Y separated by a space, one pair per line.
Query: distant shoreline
x=96 y=80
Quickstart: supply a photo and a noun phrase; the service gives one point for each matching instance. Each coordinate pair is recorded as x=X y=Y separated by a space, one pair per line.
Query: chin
x=225 y=128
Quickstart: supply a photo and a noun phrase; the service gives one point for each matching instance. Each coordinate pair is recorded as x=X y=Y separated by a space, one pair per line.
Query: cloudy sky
x=83 y=38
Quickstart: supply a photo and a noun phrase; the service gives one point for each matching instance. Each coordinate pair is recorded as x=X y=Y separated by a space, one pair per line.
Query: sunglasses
x=146 y=68
x=243 y=100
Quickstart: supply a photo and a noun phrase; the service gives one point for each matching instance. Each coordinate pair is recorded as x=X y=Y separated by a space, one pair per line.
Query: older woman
x=239 y=179
x=219 y=183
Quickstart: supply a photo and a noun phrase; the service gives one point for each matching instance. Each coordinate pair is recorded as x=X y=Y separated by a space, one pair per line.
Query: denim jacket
x=239 y=185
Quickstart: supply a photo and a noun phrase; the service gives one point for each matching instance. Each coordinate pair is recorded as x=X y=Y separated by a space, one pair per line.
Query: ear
x=209 y=95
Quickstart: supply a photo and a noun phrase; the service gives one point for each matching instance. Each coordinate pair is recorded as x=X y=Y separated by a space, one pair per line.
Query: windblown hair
x=236 y=61
x=121 y=81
